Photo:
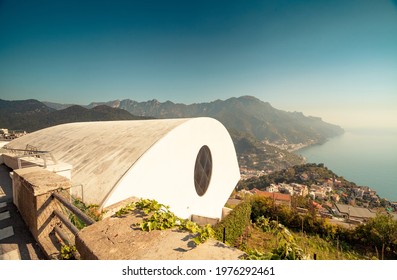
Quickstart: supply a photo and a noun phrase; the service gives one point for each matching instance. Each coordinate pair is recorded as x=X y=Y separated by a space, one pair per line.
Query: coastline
x=362 y=156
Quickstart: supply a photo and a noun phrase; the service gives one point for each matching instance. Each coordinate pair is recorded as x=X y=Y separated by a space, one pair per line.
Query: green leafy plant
x=256 y=255
x=68 y=252
x=204 y=233
x=125 y=210
x=263 y=223
x=189 y=226
x=79 y=224
x=159 y=217
x=91 y=210
x=287 y=248
x=149 y=205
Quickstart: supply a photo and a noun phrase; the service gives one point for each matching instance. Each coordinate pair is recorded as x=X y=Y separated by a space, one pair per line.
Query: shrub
x=68 y=252
x=235 y=223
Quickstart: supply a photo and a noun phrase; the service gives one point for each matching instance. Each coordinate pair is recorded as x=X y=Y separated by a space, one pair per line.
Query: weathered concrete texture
x=39 y=181
x=12 y=162
x=100 y=152
x=122 y=239
x=32 y=189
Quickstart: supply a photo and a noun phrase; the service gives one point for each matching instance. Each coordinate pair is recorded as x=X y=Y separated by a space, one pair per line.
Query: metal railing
x=31 y=152
x=65 y=220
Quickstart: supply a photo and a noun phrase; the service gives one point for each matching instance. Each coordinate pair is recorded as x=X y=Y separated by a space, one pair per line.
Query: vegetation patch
x=316 y=236
x=158 y=216
x=91 y=210
x=233 y=226
x=68 y=252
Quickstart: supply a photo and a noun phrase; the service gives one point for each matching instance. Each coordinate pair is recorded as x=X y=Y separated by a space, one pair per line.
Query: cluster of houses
x=246 y=172
x=284 y=145
x=364 y=194
x=328 y=198
x=6 y=134
x=315 y=192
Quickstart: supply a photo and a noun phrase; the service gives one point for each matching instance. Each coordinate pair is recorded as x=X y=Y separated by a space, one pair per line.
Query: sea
x=365 y=156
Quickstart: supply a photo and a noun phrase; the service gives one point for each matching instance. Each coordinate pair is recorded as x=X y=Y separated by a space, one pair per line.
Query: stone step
x=12 y=255
x=6 y=232
x=4 y=215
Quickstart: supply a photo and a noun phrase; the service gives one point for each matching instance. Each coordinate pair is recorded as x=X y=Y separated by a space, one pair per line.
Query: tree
x=380 y=231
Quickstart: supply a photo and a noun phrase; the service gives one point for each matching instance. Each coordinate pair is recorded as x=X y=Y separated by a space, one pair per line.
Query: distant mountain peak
x=248 y=97
x=246 y=114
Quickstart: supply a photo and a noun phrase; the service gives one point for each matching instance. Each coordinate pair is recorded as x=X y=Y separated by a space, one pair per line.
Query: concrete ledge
x=32 y=194
x=112 y=209
x=121 y=239
x=200 y=220
x=40 y=181
x=226 y=211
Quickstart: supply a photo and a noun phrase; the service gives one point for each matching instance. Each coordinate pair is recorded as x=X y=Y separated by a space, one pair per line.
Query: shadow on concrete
x=5 y=184
x=22 y=240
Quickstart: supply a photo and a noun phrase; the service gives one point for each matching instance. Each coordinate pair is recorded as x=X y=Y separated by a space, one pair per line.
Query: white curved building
x=188 y=164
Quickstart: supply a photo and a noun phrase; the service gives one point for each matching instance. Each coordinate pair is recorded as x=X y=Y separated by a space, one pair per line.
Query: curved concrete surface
x=115 y=160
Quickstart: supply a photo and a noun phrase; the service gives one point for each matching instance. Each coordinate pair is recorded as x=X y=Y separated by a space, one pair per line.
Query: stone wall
x=32 y=190
x=10 y=161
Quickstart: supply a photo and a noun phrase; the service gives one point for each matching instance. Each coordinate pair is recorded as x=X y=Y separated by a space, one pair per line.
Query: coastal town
x=333 y=197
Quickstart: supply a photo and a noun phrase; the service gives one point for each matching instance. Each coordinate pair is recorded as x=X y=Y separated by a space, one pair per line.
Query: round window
x=203 y=170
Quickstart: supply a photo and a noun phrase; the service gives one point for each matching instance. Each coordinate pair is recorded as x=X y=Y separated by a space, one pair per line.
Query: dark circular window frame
x=203 y=170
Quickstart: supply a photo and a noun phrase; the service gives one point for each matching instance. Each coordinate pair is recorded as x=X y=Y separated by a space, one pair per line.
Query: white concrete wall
x=2 y=143
x=166 y=171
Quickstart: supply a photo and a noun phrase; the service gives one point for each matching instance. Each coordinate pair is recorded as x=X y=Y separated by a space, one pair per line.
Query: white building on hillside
x=188 y=164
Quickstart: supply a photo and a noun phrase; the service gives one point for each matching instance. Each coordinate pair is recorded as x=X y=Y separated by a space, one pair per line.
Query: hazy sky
x=333 y=59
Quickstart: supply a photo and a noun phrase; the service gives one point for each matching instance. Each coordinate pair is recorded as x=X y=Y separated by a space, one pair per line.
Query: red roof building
x=278 y=198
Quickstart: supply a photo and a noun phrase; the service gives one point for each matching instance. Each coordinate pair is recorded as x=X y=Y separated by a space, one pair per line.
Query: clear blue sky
x=333 y=59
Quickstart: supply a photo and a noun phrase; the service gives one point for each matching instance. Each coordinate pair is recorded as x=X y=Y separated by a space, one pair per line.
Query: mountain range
x=31 y=115
x=245 y=114
x=249 y=121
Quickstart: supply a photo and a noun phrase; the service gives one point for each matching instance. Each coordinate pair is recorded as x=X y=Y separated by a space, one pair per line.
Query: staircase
x=16 y=241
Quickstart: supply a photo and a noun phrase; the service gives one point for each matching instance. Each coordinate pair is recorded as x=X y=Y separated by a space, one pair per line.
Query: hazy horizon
x=335 y=61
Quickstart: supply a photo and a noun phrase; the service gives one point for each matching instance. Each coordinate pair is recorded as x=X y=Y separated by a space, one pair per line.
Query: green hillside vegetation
x=32 y=115
x=278 y=232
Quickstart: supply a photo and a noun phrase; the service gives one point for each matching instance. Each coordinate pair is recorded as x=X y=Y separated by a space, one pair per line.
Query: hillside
x=257 y=158
x=17 y=115
x=267 y=230
x=245 y=114
x=31 y=115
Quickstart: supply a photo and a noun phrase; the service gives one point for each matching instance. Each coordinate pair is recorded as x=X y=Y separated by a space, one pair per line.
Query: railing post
x=80 y=214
